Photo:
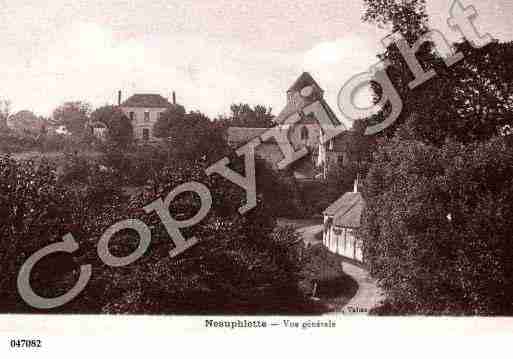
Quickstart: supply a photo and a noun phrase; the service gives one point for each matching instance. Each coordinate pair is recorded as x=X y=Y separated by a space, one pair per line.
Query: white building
x=144 y=110
x=341 y=221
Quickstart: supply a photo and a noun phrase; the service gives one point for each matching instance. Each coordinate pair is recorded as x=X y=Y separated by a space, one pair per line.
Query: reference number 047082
x=25 y=343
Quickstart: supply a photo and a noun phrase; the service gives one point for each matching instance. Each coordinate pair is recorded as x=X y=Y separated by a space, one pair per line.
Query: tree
x=27 y=123
x=5 y=112
x=120 y=130
x=468 y=101
x=74 y=116
x=408 y=17
x=195 y=136
x=161 y=128
x=243 y=115
x=438 y=227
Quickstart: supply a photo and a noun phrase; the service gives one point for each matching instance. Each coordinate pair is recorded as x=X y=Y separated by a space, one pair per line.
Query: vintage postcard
x=285 y=167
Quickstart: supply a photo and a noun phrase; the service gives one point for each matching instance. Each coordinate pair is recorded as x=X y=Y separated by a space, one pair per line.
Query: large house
x=305 y=133
x=144 y=110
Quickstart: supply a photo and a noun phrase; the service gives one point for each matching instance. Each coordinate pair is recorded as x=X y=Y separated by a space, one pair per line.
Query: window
x=146 y=134
x=304 y=133
x=146 y=115
x=132 y=115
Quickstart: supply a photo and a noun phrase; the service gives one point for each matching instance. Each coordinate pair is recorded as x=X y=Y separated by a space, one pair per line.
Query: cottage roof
x=347 y=210
x=146 y=100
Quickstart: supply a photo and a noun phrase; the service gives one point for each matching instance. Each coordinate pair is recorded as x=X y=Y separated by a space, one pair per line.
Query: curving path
x=368 y=295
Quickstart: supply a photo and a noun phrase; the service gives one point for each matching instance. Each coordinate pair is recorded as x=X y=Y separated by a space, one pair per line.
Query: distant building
x=144 y=110
x=303 y=130
x=306 y=132
x=341 y=221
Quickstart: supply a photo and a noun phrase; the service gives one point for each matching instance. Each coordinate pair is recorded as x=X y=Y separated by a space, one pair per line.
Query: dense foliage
x=242 y=263
x=438 y=225
x=244 y=115
x=120 y=131
x=73 y=115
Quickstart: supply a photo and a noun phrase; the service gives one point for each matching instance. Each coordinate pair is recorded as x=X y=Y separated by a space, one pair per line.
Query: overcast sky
x=212 y=53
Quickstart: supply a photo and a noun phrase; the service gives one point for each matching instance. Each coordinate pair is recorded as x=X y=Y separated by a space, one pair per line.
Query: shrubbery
x=438 y=227
x=240 y=265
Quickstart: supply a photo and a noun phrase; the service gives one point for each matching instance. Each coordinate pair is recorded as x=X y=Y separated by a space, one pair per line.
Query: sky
x=211 y=53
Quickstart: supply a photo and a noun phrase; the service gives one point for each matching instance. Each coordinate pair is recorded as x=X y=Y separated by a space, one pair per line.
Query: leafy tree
x=26 y=123
x=120 y=130
x=243 y=115
x=195 y=136
x=35 y=211
x=73 y=115
x=438 y=227
x=408 y=17
x=259 y=270
x=469 y=101
x=161 y=128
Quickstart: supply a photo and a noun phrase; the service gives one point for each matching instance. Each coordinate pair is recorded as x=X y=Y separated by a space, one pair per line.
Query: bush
x=34 y=212
x=438 y=227
x=241 y=265
x=13 y=143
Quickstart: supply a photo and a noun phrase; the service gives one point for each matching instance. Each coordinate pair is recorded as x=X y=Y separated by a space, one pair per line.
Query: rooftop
x=305 y=79
x=347 y=210
x=147 y=100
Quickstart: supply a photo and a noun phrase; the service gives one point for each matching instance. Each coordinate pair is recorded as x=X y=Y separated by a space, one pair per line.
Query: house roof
x=147 y=100
x=305 y=79
x=347 y=210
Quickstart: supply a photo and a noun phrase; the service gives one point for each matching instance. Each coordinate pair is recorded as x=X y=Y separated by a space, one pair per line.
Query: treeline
x=243 y=264
x=438 y=226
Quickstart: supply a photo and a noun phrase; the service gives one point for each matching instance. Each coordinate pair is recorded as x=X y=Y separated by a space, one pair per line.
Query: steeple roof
x=302 y=81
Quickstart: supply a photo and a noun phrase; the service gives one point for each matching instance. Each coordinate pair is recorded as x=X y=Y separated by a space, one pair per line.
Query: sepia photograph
x=236 y=161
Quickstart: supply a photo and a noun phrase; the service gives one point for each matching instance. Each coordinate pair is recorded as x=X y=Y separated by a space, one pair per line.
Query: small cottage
x=341 y=221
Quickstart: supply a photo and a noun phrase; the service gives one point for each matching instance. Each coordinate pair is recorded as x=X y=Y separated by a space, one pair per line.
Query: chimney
x=119 y=98
x=174 y=98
